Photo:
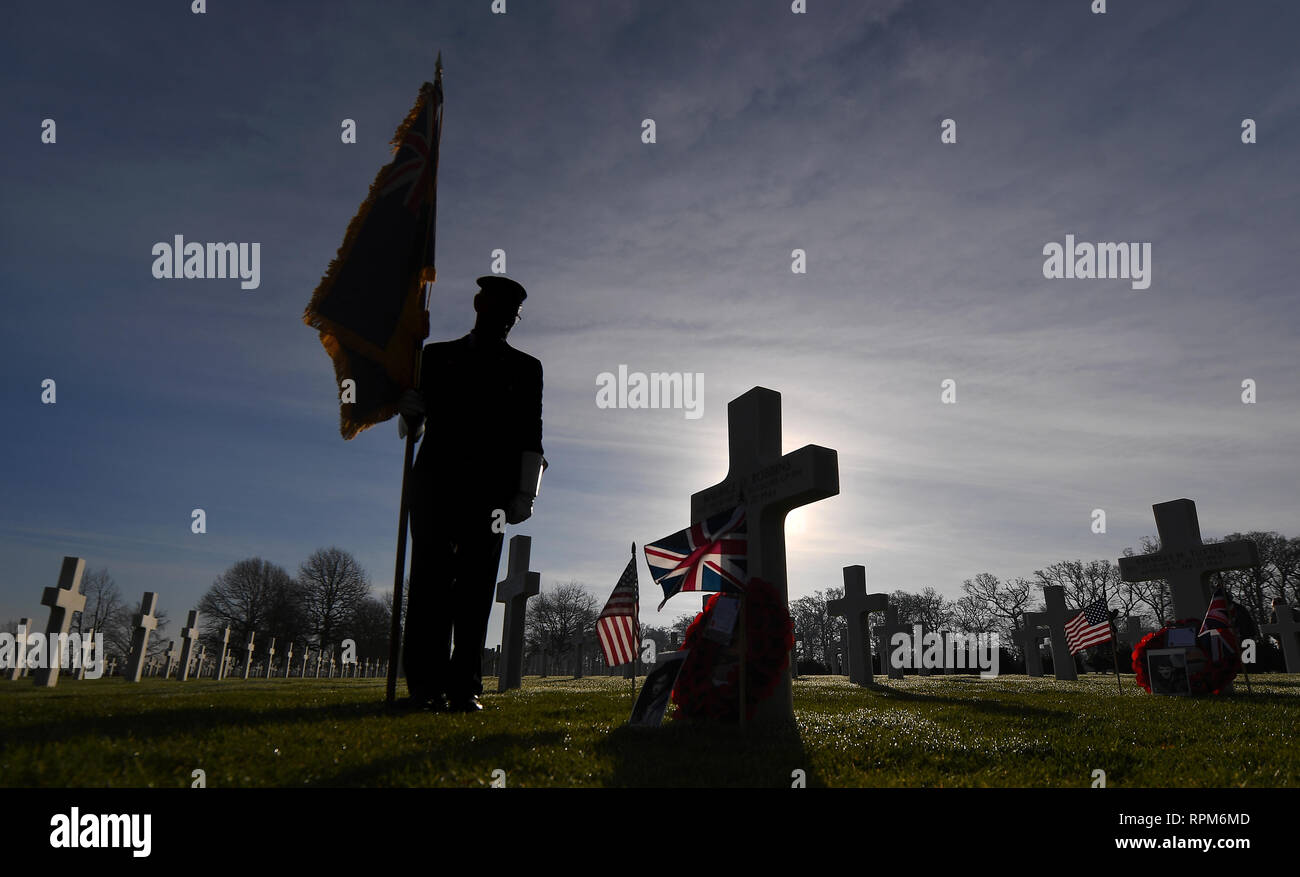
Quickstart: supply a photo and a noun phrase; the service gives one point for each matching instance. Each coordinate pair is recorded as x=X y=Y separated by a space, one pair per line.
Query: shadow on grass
x=501 y=748
x=169 y=721
x=992 y=707
x=700 y=755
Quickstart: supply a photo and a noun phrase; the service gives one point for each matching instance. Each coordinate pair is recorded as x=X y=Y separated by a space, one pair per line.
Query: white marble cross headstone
x=1053 y=617
x=853 y=607
x=306 y=653
x=1287 y=631
x=288 y=660
x=270 y=658
x=320 y=657
x=189 y=638
x=87 y=648
x=576 y=648
x=173 y=659
x=64 y=600
x=249 y=647
x=198 y=665
x=19 y=667
x=1028 y=636
x=514 y=590
x=891 y=627
x=219 y=669
x=1184 y=561
x=772 y=485
x=921 y=629
x=950 y=667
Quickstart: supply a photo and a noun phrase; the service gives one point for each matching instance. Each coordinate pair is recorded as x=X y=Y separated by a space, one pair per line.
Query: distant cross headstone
x=172 y=654
x=24 y=631
x=87 y=649
x=853 y=607
x=112 y=667
x=65 y=599
x=577 y=655
x=288 y=660
x=270 y=658
x=331 y=666
x=891 y=627
x=221 y=666
x=949 y=667
x=514 y=590
x=772 y=485
x=1027 y=637
x=320 y=656
x=203 y=656
x=190 y=638
x=306 y=653
x=249 y=648
x=1133 y=629
x=1053 y=618
x=1184 y=561
x=1287 y=631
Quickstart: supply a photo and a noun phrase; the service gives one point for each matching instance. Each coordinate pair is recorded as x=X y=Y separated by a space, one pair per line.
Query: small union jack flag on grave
x=709 y=556
x=1217 y=622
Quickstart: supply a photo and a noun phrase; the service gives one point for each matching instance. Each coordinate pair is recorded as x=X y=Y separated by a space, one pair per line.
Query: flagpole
x=744 y=654
x=636 y=647
x=1114 y=656
x=399 y=567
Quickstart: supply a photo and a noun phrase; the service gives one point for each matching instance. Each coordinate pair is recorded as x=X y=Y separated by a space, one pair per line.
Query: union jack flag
x=709 y=556
x=618 y=628
x=1218 y=623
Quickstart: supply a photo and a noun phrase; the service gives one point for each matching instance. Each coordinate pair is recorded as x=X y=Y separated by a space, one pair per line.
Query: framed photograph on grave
x=1167 y=669
x=652 y=702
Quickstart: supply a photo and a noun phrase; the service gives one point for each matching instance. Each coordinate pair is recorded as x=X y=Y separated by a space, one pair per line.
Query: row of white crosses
x=66 y=599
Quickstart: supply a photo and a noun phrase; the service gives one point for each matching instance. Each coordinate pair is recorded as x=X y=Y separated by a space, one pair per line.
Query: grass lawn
x=937 y=731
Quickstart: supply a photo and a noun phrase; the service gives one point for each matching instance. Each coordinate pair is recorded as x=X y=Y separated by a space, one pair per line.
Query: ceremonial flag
x=368 y=307
x=1089 y=628
x=619 y=626
x=1218 y=623
x=1216 y=617
x=709 y=556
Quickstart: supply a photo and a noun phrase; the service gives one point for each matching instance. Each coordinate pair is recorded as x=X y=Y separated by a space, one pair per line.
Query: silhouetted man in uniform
x=480 y=460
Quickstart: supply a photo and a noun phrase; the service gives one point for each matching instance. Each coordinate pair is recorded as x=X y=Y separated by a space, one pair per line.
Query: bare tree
x=972 y=615
x=247 y=598
x=928 y=608
x=332 y=585
x=1007 y=601
x=369 y=626
x=104 y=605
x=555 y=617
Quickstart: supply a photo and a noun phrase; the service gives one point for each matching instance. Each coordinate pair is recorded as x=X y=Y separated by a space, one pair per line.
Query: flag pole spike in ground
x=1114 y=655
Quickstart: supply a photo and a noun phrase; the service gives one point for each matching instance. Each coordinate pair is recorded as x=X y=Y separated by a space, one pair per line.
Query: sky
x=774 y=131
